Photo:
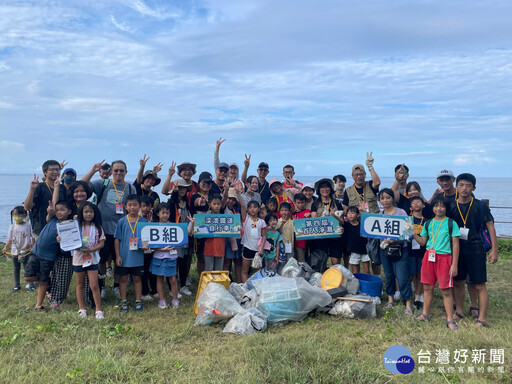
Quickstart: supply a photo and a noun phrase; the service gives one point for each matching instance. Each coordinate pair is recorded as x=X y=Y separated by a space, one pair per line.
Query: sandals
x=423 y=317
x=452 y=322
x=389 y=305
x=408 y=311
x=481 y=324
x=471 y=309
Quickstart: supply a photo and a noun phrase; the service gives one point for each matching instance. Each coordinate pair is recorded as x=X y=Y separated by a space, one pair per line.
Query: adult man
x=362 y=193
x=221 y=173
x=289 y=182
x=263 y=187
x=40 y=194
x=445 y=179
x=111 y=199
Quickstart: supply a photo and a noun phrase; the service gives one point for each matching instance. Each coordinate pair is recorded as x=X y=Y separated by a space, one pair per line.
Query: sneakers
x=30 y=287
x=138 y=305
x=110 y=272
x=147 y=298
x=188 y=282
x=82 y=313
x=99 y=315
x=123 y=307
x=185 y=291
x=175 y=304
x=103 y=292
x=16 y=289
x=115 y=291
x=162 y=304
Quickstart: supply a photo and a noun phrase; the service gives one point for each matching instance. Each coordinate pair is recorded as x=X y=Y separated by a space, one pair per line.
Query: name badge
x=120 y=208
x=432 y=255
x=288 y=247
x=87 y=261
x=133 y=244
x=464 y=233
x=254 y=232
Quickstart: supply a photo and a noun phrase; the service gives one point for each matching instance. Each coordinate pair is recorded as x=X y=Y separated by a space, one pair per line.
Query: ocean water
x=14 y=189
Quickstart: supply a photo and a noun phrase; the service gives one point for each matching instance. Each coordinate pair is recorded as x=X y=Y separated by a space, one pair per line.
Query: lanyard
x=130 y=224
x=391 y=214
x=262 y=189
x=418 y=226
x=361 y=196
x=328 y=207
x=288 y=233
x=117 y=193
x=90 y=232
x=434 y=237
x=51 y=192
x=464 y=219
x=220 y=188
x=254 y=222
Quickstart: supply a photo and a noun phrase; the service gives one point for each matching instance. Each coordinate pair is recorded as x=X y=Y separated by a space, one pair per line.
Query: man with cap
x=363 y=194
x=147 y=180
x=185 y=170
x=263 y=187
x=445 y=179
x=221 y=173
x=68 y=177
x=233 y=172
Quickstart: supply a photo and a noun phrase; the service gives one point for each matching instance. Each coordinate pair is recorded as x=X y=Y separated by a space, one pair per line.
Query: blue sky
x=314 y=84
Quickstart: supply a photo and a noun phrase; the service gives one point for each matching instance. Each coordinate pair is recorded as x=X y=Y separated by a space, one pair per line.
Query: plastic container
x=220 y=277
x=332 y=278
x=276 y=290
x=369 y=284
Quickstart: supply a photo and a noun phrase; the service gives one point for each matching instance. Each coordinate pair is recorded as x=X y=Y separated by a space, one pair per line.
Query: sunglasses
x=119 y=170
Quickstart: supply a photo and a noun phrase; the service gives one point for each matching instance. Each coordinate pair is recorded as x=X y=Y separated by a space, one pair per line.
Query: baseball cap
x=223 y=165
x=263 y=165
x=358 y=167
x=206 y=177
x=69 y=170
x=445 y=173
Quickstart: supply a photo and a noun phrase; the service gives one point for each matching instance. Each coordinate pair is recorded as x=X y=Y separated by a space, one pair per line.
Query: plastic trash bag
x=307 y=271
x=250 y=299
x=237 y=290
x=283 y=299
x=215 y=304
x=258 y=275
x=246 y=323
x=355 y=309
x=316 y=279
x=349 y=280
x=318 y=260
x=291 y=269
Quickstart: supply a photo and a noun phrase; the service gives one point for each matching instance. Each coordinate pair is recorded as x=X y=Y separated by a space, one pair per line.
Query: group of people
x=446 y=243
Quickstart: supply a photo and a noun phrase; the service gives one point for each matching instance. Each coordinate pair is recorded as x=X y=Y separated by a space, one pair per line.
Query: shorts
x=108 y=249
x=79 y=268
x=134 y=271
x=437 y=271
x=233 y=254
x=414 y=265
x=472 y=267
x=356 y=258
x=248 y=254
x=38 y=267
x=163 y=267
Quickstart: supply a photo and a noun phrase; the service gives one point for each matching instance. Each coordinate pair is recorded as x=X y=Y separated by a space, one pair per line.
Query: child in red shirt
x=300 y=213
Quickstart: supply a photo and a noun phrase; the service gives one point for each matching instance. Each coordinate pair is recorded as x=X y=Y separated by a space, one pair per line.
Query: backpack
x=484 y=232
x=96 y=200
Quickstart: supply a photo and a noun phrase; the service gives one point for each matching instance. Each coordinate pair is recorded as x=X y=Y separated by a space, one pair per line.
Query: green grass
x=164 y=346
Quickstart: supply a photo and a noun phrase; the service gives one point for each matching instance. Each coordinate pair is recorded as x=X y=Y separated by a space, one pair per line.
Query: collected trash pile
x=290 y=296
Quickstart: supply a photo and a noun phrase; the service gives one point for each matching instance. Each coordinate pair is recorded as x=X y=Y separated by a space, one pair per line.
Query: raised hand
x=369 y=160
x=56 y=184
x=63 y=164
x=96 y=167
x=247 y=161
x=219 y=142
x=34 y=183
x=172 y=168
x=143 y=161
x=51 y=208
x=157 y=168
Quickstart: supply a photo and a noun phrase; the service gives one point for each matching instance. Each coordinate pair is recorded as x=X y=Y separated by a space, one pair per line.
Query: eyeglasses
x=119 y=170
x=53 y=169
x=359 y=174
x=263 y=170
x=222 y=170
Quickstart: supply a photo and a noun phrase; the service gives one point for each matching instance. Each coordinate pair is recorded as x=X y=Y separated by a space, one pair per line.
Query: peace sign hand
x=96 y=167
x=369 y=160
x=51 y=208
x=157 y=168
x=143 y=161
x=63 y=164
x=34 y=183
x=172 y=168
x=247 y=161
x=219 y=142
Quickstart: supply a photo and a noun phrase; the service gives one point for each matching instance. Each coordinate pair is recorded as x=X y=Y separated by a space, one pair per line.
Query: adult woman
x=326 y=205
x=396 y=263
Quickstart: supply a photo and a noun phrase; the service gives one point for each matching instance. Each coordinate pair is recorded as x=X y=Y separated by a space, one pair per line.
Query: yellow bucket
x=220 y=277
x=332 y=278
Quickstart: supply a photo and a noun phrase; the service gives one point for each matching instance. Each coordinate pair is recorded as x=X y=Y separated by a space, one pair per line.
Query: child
x=164 y=261
x=234 y=205
x=254 y=228
x=86 y=259
x=129 y=258
x=395 y=267
x=148 y=280
x=262 y=212
x=272 y=207
x=20 y=240
x=300 y=213
x=416 y=251
x=214 y=247
x=286 y=228
x=308 y=191
x=356 y=244
x=472 y=216
x=272 y=236
x=440 y=260
x=44 y=254
x=282 y=194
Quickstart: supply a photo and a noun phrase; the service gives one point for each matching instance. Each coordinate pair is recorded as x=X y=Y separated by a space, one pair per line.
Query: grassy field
x=165 y=346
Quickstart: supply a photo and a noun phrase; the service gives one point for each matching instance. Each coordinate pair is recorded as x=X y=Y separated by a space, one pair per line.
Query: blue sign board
x=161 y=235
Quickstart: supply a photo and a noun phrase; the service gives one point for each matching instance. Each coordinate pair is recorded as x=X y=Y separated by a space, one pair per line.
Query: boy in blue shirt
x=129 y=258
x=42 y=259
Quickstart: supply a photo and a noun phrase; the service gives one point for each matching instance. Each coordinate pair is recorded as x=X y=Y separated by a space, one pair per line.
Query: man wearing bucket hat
x=185 y=170
x=147 y=180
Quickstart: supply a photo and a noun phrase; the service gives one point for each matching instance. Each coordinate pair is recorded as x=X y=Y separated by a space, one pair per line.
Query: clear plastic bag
x=215 y=304
x=288 y=299
x=316 y=279
x=291 y=269
x=349 y=280
x=355 y=309
x=237 y=290
x=246 y=323
x=250 y=299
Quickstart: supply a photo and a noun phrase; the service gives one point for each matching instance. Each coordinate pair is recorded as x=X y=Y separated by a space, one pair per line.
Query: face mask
x=18 y=219
x=69 y=179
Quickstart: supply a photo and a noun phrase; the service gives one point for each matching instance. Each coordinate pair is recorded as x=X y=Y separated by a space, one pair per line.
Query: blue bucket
x=369 y=284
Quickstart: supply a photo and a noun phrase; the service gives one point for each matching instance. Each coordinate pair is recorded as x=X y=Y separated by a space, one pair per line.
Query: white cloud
x=121 y=26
